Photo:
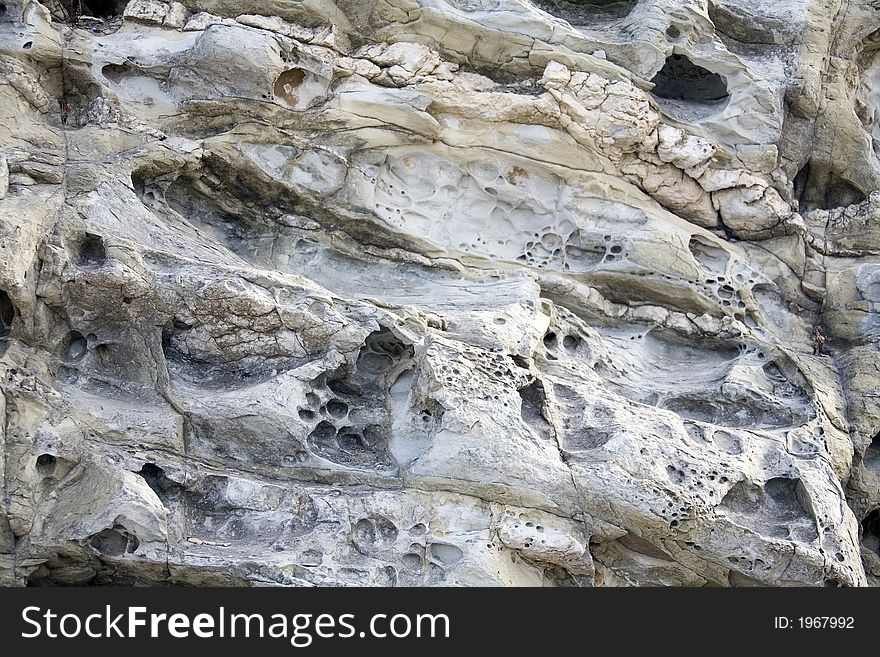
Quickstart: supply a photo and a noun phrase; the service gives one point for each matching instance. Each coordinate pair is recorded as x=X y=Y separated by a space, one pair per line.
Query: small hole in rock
x=7 y=314
x=816 y=186
x=116 y=73
x=871 y=531
x=687 y=91
x=337 y=408
x=571 y=342
x=114 y=542
x=46 y=464
x=872 y=452
x=92 y=250
x=287 y=84
x=156 y=479
x=681 y=79
x=75 y=346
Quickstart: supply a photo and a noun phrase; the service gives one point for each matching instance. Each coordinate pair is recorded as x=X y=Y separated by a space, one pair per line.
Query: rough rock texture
x=440 y=292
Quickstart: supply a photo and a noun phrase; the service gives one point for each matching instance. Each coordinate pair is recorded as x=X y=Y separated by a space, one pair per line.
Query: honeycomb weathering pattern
x=440 y=292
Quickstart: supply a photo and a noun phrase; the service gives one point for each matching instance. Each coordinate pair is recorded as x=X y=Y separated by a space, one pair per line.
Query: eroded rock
x=439 y=292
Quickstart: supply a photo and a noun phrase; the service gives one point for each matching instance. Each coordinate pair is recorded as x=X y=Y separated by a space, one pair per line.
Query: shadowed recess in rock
x=657 y=369
x=871 y=531
x=584 y=13
x=101 y=8
x=681 y=79
x=367 y=295
x=7 y=314
x=778 y=508
x=817 y=187
x=687 y=90
x=287 y=84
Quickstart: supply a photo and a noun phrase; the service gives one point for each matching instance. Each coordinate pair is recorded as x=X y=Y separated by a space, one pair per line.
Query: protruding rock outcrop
x=439 y=292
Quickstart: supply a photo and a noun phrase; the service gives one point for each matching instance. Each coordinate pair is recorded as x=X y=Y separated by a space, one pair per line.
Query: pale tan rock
x=202 y=20
x=170 y=14
x=176 y=15
x=500 y=296
x=4 y=177
x=147 y=11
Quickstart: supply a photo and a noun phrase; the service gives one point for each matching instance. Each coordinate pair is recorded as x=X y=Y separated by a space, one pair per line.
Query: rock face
x=440 y=292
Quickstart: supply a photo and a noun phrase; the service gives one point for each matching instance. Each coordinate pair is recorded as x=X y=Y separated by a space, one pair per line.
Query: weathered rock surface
x=440 y=292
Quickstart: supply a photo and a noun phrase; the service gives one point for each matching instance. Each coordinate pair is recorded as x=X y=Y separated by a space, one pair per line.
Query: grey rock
x=440 y=292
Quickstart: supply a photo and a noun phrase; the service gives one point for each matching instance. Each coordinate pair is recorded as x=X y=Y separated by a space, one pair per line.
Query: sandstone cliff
x=440 y=292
